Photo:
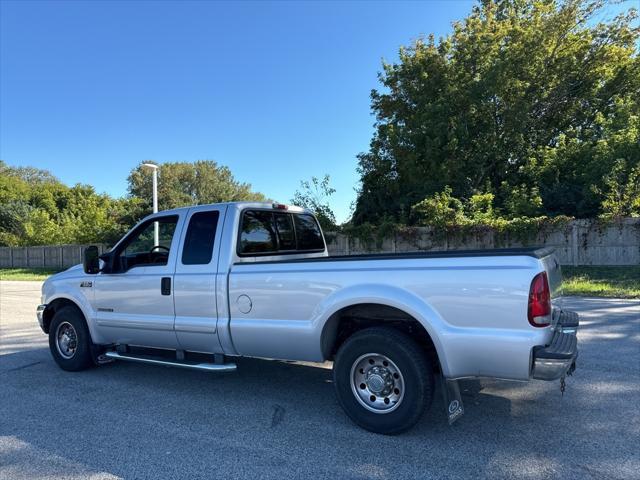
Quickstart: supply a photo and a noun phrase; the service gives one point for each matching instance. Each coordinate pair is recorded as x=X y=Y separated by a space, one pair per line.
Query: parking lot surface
x=281 y=420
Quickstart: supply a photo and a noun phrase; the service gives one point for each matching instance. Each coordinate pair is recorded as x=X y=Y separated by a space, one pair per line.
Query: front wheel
x=383 y=380
x=69 y=340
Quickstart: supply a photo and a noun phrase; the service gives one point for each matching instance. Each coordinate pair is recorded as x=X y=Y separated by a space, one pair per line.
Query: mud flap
x=452 y=399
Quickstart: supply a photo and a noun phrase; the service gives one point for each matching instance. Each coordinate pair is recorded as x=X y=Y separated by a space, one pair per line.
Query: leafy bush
x=439 y=210
x=480 y=207
x=314 y=195
x=453 y=216
x=522 y=201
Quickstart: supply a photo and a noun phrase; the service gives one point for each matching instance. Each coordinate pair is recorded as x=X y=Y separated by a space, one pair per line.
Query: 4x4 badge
x=86 y=284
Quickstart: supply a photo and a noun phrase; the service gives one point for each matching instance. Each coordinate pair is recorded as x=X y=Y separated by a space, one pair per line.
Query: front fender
x=62 y=292
x=394 y=297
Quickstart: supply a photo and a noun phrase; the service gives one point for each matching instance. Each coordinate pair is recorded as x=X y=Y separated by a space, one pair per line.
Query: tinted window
x=286 y=235
x=274 y=232
x=257 y=234
x=198 y=244
x=143 y=240
x=140 y=248
x=308 y=232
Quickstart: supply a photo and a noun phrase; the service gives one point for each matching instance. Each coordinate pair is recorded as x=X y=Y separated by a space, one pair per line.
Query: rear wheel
x=69 y=340
x=383 y=380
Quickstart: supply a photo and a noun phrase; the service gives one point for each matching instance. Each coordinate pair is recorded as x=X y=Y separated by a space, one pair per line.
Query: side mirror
x=91 y=261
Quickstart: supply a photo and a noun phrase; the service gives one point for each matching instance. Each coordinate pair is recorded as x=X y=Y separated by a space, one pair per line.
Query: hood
x=69 y=272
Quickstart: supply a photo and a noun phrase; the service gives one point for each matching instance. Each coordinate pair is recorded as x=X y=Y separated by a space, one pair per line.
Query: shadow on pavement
x=275 y=419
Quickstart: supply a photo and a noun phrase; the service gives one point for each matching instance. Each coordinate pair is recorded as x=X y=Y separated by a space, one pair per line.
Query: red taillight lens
x=539 y=311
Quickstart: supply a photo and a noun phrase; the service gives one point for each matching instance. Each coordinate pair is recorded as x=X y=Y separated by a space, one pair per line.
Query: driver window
x=141 y=249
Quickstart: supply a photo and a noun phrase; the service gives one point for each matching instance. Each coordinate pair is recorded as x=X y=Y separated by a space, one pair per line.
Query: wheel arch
x=60 y=302
x=383 y=306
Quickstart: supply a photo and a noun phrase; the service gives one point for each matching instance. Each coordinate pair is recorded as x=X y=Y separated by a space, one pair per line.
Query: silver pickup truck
x=195 y=287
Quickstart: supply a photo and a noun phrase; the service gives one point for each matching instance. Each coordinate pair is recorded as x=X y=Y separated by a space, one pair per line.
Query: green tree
x=183 y=183
x=535 y=99
x=12 y=219
x=622 y=196
x=37 y=209
x=314 y=195
x=41 y=229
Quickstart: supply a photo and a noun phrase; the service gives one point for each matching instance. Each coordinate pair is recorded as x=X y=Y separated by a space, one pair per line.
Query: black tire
x=416 y=373
x=81 y=358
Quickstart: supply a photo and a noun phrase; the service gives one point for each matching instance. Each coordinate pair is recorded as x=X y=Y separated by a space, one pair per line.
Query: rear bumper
x=559 y=357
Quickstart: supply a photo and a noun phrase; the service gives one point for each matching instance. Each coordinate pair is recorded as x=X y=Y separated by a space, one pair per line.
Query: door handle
x=165 y=286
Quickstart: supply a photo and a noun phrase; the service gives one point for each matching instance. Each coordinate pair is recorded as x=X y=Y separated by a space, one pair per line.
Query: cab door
x=196 y=276
x=134 y=301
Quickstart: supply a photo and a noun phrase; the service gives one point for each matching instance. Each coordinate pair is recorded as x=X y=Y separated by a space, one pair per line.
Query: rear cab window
x=257 y=233
x=265 y=232
x=308 y=232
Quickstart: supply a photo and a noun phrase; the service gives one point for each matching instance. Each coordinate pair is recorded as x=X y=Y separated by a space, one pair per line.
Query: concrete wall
x=50 y=256
x=581 y=242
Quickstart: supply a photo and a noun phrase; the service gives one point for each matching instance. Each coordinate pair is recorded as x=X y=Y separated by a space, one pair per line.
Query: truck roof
x=243 y=205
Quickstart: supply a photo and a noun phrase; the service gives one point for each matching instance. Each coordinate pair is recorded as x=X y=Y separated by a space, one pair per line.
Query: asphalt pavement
x=278 y=420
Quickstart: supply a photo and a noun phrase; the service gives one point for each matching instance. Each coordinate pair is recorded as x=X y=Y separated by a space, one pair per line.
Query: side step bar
x=207 y=367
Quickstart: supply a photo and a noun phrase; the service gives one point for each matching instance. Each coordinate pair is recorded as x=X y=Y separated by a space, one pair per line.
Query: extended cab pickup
x=195 y=287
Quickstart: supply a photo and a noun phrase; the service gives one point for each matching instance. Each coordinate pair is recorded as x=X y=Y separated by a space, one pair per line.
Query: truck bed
x=535 y=252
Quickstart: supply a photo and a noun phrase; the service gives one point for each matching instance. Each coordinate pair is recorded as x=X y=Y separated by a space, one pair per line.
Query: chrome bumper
x=544 y=369
x=40 y=314
x=559 y=357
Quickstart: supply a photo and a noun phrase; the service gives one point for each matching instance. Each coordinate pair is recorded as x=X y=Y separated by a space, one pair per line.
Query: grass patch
x=37 y=274
x=621 y=282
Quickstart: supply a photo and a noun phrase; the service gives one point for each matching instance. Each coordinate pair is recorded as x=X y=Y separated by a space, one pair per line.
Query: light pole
x=156 y=233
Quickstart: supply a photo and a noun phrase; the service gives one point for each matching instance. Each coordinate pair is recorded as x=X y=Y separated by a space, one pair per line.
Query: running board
x=207 y=367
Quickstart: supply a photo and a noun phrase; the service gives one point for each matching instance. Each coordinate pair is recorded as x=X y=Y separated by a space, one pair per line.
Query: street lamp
x=156 y=233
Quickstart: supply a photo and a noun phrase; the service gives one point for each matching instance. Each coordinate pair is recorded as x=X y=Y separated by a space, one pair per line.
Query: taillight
x=539 y=311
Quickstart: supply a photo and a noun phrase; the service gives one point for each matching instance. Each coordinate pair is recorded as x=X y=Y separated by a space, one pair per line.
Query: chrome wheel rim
x=377 y=383
x=66 y=340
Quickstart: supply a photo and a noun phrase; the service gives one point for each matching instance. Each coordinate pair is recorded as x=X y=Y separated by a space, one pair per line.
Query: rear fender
x=390 y=296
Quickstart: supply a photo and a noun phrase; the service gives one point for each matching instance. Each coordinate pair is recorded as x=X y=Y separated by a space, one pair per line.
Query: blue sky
x=276 y=91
